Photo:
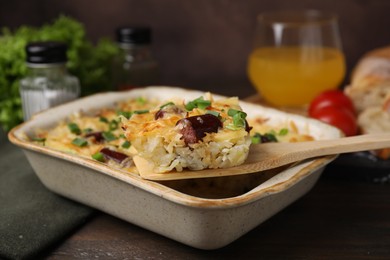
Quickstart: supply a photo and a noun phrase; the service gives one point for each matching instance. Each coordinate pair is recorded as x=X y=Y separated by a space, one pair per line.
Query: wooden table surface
x=344 y=216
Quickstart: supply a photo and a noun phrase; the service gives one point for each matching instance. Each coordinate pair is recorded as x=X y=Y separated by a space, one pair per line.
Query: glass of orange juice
x=296 y=56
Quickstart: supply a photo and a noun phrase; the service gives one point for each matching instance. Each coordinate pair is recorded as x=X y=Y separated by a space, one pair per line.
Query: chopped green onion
x=126 y=114
x=270 y=137
x=103 y=119
x=141 y=100
x=167 y=104
x=214 y=113
x=98 y=157
x=200 y=103
x=256 y=138
x=141 y=111
x=238 y=119
x=122 y=136
x=283 y=132
x=263 y=138
x=232 y=112
x=74 y=128
x=80 y=142
x=113 y=125
x=204 y=104
x=88 y=130
x=190 y=106
x=108 y=136
x=126 y=144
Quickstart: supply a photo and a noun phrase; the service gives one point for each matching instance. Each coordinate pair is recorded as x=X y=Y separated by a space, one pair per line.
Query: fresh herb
x=87 y=130
x=122 y=136
x=103 y=119
x=283 y=132
x=74 y=128
x=214 y=113
x=98 y=157
x=126 y=114
x=108 y=136
x=256 y=138
x=263 y=138
x=270 y=137
x=80 y=142
x=113 y=125
x=200 y=103
x=141 y=111
x=126 y=144
x=89 y=62
x=167 y=104
x=232 y=112
x=238 y=119
x=141 y=100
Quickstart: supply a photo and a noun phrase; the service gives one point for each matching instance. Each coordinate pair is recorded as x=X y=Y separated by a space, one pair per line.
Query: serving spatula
x=272 y=155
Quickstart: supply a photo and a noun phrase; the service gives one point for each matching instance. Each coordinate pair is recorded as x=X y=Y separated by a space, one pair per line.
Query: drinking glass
x=296 y=56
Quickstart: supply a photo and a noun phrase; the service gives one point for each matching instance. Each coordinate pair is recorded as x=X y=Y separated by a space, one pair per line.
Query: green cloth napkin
x=32 y=218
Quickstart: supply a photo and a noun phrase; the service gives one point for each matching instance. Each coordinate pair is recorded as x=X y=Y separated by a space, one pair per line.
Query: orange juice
x=293 y=76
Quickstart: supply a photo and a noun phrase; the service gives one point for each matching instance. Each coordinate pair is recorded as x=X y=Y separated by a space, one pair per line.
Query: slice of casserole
x=195 y=134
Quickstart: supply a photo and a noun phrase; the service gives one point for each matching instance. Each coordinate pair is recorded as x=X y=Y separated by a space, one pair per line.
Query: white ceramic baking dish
x=203 y=213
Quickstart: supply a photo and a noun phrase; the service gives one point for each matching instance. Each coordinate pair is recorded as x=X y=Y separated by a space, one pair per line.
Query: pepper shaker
x=134 y=66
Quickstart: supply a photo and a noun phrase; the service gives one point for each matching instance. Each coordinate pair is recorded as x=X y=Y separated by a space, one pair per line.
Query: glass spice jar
x=47 y=82
x=134 y=66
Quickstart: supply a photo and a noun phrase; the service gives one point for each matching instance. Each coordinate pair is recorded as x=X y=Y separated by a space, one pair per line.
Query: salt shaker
x=134 y=66
x=47 y=82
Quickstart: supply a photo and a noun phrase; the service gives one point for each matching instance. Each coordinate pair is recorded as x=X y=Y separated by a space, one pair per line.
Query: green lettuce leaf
x=89 y=62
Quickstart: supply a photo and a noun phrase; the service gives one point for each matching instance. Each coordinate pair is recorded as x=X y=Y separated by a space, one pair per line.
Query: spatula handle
x=292 y=152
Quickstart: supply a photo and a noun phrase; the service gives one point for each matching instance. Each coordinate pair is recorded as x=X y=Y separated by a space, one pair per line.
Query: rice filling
x=207 y=135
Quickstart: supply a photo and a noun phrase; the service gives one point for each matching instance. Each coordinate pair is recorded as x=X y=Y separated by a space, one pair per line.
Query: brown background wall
x=203 y=43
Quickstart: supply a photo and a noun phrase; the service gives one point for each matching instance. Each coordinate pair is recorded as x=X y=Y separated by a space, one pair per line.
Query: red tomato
x=338 y=117
x=334 y=98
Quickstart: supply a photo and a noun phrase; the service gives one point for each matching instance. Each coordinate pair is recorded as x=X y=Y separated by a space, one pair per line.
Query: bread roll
x=370 y=92
x=375 y=120
x=370 y=81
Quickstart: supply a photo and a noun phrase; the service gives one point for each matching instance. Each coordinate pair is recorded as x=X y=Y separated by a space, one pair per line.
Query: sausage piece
x=194 y=128
x=97 y=136
x=113 y=155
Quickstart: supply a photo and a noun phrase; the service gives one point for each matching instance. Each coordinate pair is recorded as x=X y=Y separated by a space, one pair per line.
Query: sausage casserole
x=173 y=134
